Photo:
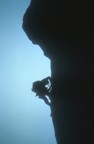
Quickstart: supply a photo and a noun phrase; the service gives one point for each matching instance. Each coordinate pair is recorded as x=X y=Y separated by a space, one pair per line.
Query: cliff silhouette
x=64 y=30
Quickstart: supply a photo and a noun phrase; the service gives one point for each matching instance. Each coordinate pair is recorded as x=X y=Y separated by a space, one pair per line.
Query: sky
x=24 y=119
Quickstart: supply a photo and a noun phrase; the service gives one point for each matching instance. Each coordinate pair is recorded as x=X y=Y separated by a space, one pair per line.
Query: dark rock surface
x=65 y=31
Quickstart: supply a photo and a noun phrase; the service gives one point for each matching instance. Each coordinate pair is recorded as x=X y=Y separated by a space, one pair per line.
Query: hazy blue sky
x=24 y=119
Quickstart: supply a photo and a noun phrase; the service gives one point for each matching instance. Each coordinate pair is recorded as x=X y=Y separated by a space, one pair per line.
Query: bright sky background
x=24 y=119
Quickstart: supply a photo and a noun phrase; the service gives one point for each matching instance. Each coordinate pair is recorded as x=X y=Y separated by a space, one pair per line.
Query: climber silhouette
x=42 y=89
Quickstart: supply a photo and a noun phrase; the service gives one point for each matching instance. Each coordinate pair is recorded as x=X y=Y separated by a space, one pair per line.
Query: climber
x=42 y=89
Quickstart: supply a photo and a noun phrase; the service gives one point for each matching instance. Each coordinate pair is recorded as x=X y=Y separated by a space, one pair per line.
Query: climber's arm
x=45 y=81
x=46 y=101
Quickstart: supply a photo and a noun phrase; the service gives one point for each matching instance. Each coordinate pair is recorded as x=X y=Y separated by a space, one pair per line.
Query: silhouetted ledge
x=65 y=32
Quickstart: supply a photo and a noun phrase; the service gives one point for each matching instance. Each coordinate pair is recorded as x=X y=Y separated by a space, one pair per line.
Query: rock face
x=65 y=31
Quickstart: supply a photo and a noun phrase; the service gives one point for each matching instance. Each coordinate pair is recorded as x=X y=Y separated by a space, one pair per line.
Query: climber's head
x=39 y=88
x=36 y=86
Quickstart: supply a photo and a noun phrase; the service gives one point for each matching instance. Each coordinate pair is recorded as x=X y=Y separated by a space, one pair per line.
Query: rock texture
x=64 y=30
